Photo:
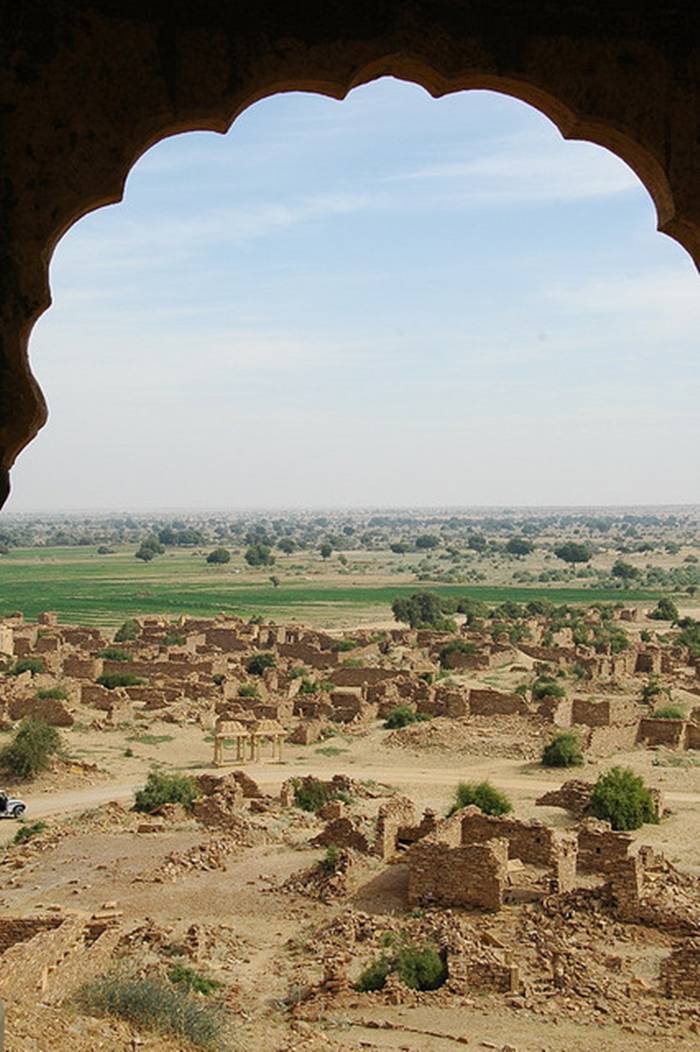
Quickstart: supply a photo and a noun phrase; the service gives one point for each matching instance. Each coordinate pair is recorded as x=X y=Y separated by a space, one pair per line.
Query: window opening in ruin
x=282 y=315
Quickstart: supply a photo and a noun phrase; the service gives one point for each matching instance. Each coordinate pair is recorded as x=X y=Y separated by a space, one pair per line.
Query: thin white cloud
x=518 y=171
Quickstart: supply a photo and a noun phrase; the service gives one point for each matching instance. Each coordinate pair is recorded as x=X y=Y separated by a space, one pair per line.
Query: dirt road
x=48 y=804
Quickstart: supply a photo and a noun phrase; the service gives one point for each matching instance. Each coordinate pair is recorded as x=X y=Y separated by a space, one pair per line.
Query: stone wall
x=19 y=929
x=670 y=733
x=474 y=875
x=494 y=702
x=392 y=815
x=532 y=842
x=680 y=972
x=600 y=849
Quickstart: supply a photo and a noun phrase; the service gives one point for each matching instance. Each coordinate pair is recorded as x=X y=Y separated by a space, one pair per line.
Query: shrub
x=52 y=694
x=166 y=789
x=28 y=832
x=128 y=631
x=651 y=690
x=192 y=980
x=482 y=795
x=621 y=798
x=157 y=1005
x=248 y=690
x=341 y=646
x=33 y=665
x=329 y=862
x=115 y=654
x=401 y=716
x=544 y=687
x=419 y=966
x=666 y=610
x=310 y=794
x=219 y=556
x=257 y=664
x=455 y=646
x=32 y=748
x=563 y=751
x=668 y=712
x=175 y=639
x=110 y=680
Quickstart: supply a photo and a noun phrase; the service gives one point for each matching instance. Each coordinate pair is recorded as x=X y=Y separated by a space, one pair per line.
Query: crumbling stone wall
x=474 y=875
x=494 y=702
x=19 y=929
x=532 y=842
x=600 y=849
x=392 y=815
x=673 y=734
x=680 y=971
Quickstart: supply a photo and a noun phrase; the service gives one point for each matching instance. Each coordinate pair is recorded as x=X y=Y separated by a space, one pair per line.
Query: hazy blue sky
x=390 y=300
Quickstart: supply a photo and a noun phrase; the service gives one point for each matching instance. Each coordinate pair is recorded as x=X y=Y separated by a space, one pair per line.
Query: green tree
x=573 y=552
x=219 y=556
x=326 y=551
x=420 y=608
x=519 y=546
x=625 y=572
x=665 y=610
x=425 y=541
x=259 y=555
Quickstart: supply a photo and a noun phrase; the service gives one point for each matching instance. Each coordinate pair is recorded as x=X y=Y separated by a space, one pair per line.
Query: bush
x=33 y=665
x=419 y=966
x=310 y=794
x=259 y=662
x=129 y=630
x=32 y=749
x=668 y=712
x=621 y=798
x=219 y=556
x=248 y=690
x=329 y=862
x=29 y=831
x=563 y=751
x=666 y=610
x=543 y=687
x=52 y=694
x=110 y=680
x=192 y=980
x=166 y=789
x=157 y=1005
x=482 y=795
x=115 y=654
x=455 y=646
x=651 y=690
x=402 y=715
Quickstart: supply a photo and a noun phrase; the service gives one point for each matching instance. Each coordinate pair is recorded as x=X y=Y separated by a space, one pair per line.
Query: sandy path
x=63 y=802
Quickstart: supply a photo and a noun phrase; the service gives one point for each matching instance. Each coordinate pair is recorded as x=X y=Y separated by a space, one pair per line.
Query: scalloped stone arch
x=86 y=88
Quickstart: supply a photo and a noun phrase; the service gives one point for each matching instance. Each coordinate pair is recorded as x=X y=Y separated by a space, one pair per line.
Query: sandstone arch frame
x=87 y=86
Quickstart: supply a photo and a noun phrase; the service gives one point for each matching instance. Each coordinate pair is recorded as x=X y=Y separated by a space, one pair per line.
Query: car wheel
x=18 y=810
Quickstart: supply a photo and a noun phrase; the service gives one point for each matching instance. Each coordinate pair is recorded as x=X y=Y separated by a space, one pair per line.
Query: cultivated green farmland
x=83 y=587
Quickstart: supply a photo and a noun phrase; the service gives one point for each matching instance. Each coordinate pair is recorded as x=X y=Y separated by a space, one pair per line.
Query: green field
x=85 y=588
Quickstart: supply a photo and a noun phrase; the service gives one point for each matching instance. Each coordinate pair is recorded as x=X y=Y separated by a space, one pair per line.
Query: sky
x=387 y=301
